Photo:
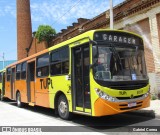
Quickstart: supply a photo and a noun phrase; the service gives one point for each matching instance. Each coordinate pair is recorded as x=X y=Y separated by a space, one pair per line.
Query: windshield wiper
x=136 y=51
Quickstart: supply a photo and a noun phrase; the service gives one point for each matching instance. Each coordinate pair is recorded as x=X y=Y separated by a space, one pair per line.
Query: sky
x=57 y=13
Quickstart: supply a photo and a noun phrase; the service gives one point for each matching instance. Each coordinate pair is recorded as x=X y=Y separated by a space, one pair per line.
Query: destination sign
x=117 y=37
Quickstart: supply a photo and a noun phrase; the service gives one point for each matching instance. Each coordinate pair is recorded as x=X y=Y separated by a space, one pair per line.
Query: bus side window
x=55 y=63
x=18 y=71
x=23 y=71
x=65 y=60
x=8 y=74
x=60 y=61
x=43 y=65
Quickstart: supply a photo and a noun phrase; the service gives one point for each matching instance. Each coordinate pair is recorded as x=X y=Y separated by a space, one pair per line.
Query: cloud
x=63 y=11
x=8 y=9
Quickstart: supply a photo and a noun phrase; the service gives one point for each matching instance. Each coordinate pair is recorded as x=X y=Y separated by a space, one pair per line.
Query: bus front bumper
x=103 y=107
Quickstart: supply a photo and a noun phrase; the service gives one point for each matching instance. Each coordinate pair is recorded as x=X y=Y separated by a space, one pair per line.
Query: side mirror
x=68 y=77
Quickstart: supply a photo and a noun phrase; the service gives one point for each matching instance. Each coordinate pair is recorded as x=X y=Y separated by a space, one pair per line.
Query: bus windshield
x=119 y=63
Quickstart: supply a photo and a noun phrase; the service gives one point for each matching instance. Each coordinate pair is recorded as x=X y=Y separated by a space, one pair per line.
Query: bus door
x=31 y=82
x=12 y=82
x=80 y=79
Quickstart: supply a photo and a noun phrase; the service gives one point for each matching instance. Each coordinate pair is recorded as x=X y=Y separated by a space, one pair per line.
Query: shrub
x=153 y=97
x=45 y=33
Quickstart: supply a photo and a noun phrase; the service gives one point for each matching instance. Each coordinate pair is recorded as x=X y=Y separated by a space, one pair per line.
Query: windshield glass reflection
x=119 y=64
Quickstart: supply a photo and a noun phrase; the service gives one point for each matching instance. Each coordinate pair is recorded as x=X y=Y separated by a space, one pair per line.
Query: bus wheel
x=18 y=100
x=63 y=108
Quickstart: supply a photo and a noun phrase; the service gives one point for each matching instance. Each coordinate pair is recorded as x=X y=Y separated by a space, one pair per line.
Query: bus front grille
x=124 y=98
x=128 y=87
x=125 y=106
x=128 y=108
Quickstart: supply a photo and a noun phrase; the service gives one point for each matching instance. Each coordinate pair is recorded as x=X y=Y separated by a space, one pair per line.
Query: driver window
x=102 y=68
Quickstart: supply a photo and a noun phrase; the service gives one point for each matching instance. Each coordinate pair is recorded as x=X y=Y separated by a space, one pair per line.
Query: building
x=139 y=16
x=24 y=28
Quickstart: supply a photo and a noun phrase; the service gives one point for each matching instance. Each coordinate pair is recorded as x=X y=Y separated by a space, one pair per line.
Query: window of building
x=60 y=61
x=8 y=74
x=18 y=71
x=43 y=65
x=23 y=70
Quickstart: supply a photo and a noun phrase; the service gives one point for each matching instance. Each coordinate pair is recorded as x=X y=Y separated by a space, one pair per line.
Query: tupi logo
x=122 y=93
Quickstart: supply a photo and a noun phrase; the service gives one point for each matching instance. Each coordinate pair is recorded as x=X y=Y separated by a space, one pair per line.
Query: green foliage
x=153 y=97
x=45 y=33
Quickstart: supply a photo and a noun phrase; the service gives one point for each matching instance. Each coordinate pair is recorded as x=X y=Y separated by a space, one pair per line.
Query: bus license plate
x=132 y=104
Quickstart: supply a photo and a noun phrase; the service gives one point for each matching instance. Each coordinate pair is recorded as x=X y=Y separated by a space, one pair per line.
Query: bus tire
x=18 y=100
x=63 y=108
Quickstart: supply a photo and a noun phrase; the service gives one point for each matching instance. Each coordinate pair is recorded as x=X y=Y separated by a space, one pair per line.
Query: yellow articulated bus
x=97 y=73
x=2 y=83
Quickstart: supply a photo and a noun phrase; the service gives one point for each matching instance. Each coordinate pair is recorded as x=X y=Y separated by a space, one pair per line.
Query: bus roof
x=28 y=58
x=88 y=34
x=3 y=70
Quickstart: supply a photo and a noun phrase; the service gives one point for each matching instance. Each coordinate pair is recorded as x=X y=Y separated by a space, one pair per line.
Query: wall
x=36 y=47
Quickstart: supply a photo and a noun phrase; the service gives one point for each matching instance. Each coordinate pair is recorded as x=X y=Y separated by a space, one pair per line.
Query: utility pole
x=111 y=14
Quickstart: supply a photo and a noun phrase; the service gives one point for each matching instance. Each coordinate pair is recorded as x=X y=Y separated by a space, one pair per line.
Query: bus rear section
x=2 y=84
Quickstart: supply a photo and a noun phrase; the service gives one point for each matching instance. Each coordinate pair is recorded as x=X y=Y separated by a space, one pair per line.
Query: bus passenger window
x=18 y=71
x=65 y=60
x=56 y=69
x=65 y=67
x=43 y=65
x=60 y=61
x=55 y=63
x=8 y=74
x=23 y=71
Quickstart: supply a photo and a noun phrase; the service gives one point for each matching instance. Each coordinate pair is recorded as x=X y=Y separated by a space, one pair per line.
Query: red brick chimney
x=24 y=28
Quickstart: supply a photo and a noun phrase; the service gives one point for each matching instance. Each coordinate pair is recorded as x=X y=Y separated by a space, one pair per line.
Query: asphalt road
x=11 y=115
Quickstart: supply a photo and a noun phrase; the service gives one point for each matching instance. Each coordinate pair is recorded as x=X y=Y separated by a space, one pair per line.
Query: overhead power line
x=76 y=4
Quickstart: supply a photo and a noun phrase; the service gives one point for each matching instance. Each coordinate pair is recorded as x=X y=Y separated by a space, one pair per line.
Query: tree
x=45 y=33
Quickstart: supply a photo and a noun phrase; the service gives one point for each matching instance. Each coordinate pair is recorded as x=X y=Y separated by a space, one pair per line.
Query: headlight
x=146 y=94
x=103 y=95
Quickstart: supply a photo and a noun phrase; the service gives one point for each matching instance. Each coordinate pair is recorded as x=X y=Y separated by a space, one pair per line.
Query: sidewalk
x=152 y=111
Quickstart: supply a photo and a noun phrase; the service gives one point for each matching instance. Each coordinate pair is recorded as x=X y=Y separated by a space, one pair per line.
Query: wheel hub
x=62 y=107
x=18 y=100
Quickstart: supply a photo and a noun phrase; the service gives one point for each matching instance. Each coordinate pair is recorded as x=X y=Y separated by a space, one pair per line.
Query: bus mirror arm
x=92 y=42
x=93 y=65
